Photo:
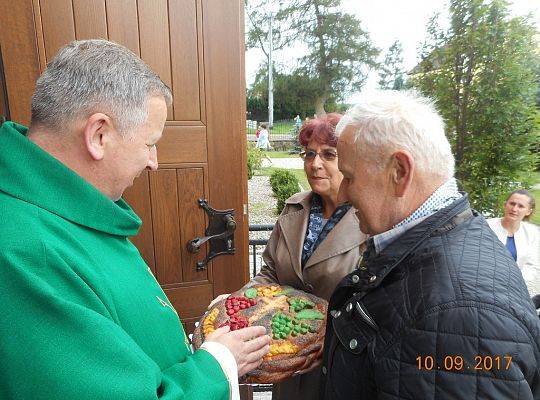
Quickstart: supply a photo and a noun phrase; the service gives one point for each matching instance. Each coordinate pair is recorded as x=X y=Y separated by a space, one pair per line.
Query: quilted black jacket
x=441 y=313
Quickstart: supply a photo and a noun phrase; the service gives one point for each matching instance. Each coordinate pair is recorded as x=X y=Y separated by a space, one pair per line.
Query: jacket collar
x=380 y=265
x=32 y=175
x=293 y=226
x=345 y=235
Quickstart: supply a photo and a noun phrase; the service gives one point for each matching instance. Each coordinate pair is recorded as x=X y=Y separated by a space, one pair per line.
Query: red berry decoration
x=233 y=304
x=238 y=303
x=236 y=322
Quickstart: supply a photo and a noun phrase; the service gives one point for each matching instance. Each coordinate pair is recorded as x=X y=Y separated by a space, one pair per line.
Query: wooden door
x=196 y=46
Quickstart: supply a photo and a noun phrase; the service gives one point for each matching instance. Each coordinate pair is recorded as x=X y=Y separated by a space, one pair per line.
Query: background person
x=521 y=238
x=436 y=298
x=263 y=141
x=82 y=315
x=315 y=241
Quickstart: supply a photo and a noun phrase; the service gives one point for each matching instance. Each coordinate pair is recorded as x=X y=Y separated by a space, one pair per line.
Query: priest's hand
x=248 y=345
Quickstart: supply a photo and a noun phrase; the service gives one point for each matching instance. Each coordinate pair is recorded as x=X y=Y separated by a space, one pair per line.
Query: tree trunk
x=319 y=105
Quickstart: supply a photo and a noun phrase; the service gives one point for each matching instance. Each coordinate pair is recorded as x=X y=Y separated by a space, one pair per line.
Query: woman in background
x=263 y=140
x=522 y=239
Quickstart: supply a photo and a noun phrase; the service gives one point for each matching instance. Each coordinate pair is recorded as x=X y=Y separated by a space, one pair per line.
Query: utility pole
x=270 y=75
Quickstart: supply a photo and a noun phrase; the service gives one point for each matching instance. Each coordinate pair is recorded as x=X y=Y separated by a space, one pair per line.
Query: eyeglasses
x=326 y=155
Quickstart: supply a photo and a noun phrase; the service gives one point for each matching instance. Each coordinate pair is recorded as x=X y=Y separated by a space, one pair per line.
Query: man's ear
x=402 y=172
x=97 y=131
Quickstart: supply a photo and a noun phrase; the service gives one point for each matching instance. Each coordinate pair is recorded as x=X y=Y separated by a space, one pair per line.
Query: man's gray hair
x=90 y=76
x=387 y=121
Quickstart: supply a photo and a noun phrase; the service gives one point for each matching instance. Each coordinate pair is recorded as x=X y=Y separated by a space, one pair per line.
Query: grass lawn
x=299 y=173
x=280 y=154
x=282 y=127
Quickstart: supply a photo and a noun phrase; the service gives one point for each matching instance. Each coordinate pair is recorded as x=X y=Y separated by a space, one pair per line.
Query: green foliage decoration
x=251 y=293
x=310 y=314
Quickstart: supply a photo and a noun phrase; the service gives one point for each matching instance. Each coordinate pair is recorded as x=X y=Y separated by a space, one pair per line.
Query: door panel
x=165 y=217
x=138 y=197
x=185 y=60
x=4 y=106
x=123 y=23
x=90 y=19
x=183 y=144
x=154 y=39
x=196 y=46
x=187 y=299
x=191 y=221
x=20 y=56
x=57 y=24
x=225 y=110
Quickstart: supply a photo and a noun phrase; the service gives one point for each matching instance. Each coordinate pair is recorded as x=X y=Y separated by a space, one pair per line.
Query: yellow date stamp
x=456 y=362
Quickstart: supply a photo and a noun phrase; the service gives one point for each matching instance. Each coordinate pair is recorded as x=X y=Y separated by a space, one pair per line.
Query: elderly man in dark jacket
x=437 y=309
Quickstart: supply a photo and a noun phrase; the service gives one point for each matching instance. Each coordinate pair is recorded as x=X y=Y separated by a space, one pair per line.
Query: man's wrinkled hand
x=248 y=345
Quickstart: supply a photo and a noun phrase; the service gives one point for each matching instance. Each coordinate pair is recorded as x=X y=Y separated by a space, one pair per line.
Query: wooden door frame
x=4 y=105
x=225 y=101
x=20 y=56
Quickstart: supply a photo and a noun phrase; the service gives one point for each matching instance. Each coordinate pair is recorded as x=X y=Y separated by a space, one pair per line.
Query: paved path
x=288 y=163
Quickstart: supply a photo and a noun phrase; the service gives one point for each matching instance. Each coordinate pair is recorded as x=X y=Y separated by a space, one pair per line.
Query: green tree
x=293 y=94
x=339 y=52
x=391 y=73
x=481 y=73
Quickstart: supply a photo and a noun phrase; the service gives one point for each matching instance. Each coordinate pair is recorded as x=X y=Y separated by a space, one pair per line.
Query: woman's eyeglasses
x=326 y=155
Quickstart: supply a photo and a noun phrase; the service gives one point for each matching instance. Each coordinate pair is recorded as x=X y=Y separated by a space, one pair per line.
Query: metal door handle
x=194 y=245
x=219 y=234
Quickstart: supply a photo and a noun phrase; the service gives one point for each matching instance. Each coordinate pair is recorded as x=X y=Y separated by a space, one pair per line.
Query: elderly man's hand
x=248 y=345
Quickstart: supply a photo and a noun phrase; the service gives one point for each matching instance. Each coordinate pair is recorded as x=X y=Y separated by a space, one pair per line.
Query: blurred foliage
x=391 y=71
x=482 y=73
x=284 y=184
x=254 y=159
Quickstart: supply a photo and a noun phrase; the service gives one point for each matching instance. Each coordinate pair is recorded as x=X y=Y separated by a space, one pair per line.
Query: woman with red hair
x=315 y=241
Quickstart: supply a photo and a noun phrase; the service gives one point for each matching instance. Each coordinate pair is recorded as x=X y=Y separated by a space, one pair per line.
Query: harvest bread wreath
x=295 y=320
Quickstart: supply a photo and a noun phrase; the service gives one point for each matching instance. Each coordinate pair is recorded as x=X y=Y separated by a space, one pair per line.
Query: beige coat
x=335 y=257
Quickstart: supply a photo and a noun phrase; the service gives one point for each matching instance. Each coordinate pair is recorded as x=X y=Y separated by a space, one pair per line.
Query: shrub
x=284 y=184
x=254 y=159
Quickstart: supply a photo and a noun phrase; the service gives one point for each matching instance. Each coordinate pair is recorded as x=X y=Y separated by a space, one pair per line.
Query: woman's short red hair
x=321 y=129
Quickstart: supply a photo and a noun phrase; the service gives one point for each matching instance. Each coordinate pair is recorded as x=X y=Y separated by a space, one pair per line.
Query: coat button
x=335 y=313
x=373 y=278
x=349 y=307
x=353 y=343
x=355 y=279
x=324 y=370
x=309 y=287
